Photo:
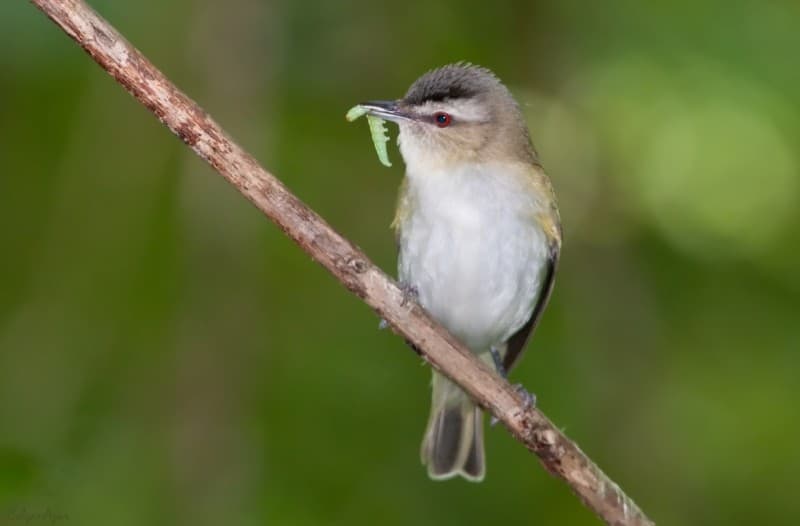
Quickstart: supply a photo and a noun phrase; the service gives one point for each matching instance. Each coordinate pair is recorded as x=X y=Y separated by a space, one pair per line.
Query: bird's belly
x=478 y=274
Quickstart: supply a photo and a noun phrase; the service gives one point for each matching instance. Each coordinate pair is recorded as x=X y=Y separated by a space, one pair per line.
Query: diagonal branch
x=559 y=455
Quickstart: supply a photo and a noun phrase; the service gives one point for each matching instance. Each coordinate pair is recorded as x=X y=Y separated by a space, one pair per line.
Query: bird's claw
x=528 y=397
x=410 y=293
x=529 y=401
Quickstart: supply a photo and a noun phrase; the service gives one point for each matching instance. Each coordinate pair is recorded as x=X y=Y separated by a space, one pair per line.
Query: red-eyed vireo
x=479 y=236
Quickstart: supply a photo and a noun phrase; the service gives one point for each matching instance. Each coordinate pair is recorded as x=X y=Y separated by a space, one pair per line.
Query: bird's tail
x=453 y=442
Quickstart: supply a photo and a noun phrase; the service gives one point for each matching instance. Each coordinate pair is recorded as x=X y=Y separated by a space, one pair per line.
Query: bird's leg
x=410 y=293
x=530 y=398
x=498 y=362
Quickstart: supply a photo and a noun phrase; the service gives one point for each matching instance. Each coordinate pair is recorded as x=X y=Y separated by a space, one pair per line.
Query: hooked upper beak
x=386 y=109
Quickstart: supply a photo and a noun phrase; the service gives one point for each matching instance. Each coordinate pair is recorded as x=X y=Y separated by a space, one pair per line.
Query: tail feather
x=453 y=443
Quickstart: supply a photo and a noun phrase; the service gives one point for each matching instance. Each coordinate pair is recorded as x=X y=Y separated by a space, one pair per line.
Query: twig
x=559 y=455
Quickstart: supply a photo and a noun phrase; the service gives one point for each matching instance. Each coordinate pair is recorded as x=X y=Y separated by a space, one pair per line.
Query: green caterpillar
x=376 y=128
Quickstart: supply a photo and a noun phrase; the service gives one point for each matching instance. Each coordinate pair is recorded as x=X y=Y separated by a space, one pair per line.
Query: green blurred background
x=167 y=356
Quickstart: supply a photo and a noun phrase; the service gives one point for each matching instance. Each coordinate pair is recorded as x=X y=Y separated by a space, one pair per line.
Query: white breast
x=473 y=251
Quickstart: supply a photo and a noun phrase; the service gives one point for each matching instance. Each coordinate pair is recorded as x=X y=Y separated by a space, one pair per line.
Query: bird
x=478 y=234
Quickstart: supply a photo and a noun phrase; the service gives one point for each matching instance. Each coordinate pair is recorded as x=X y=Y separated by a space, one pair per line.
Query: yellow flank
x=402 y=210
x=548 y=218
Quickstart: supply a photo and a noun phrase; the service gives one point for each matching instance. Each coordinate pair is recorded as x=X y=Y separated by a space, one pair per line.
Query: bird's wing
x=516 y=343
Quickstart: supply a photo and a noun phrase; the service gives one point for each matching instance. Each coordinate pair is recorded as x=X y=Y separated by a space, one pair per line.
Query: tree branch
x=559 y=455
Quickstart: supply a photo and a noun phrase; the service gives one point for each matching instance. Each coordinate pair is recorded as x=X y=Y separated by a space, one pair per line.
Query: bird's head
x=459 y=113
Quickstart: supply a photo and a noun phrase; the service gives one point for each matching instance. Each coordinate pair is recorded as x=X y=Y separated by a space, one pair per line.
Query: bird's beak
x=386 y=109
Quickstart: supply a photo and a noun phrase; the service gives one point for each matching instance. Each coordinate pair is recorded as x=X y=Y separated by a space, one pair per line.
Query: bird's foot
x=410 y=293
x=528 y=397
x=528 y=403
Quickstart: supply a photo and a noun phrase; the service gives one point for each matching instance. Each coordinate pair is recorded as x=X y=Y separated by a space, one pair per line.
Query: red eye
x=442 y=119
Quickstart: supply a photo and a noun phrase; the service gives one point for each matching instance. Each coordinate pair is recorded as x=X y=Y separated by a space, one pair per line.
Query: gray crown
x=453 y=81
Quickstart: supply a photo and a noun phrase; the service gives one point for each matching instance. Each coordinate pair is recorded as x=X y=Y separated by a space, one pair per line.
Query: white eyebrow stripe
x=462 y=110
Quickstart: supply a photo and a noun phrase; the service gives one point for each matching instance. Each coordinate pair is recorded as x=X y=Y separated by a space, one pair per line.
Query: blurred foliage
x=168 y=357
